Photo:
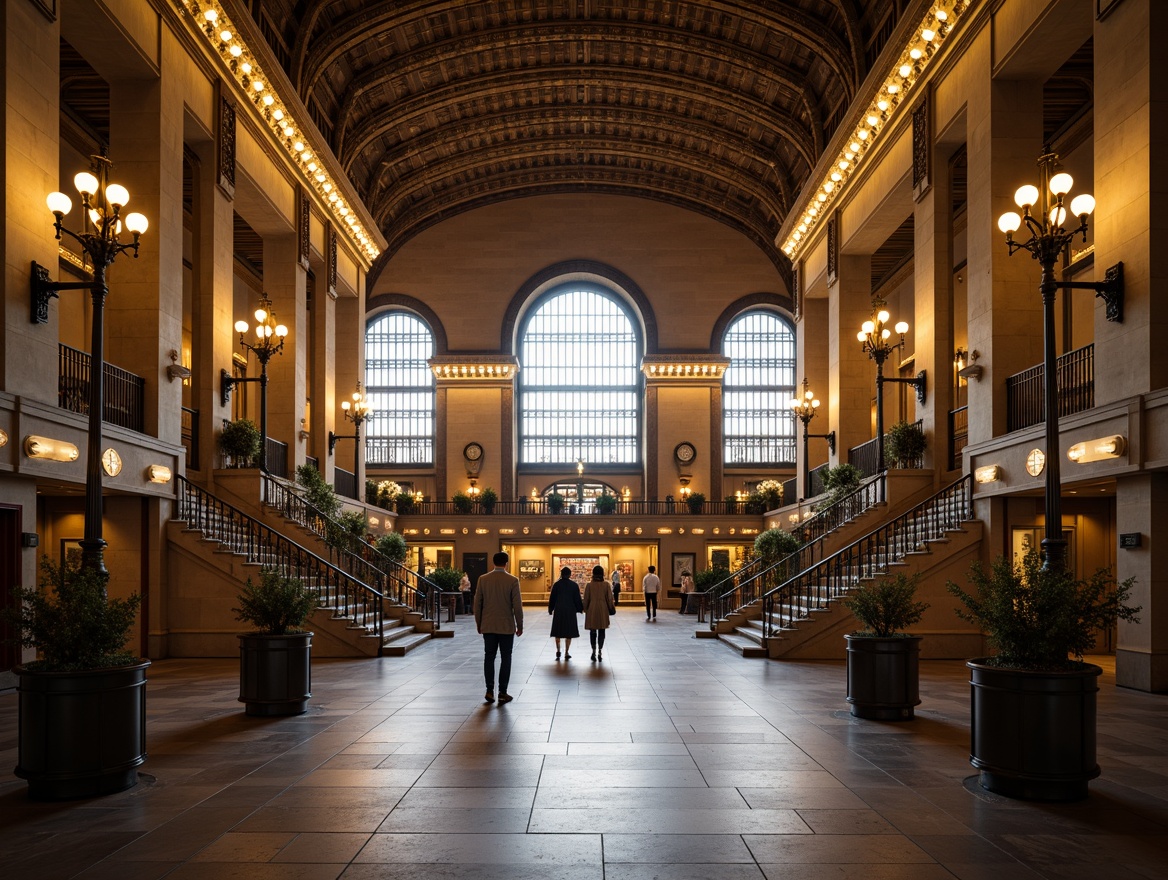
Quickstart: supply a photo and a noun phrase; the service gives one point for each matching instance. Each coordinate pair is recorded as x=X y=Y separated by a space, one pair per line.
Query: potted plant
x=82 y=703
x=463 y=503
x=405 y=502
x=392 y=545
x=772 y=494
x=905 y=445
x=555 y=503
x=882 y=659
x=1032 y=715
x=774 y=546
x=275 y=674
x=239 y=441
x=605 y=503
x=488 y=498
x=695 y=502
x=755 y=504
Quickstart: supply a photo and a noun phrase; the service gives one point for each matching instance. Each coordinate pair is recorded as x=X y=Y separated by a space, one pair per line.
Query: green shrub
x=1036 y=617
x=710 y=577
x=447 y=579
x=905 y=444
x=278 y=605
x=348 y=532
x=239 y=441
x=405 y=502
x=463 y=503
x=317 y=492
x=488 y=498
x=72 y=622
x=885 y=607
x=555 y=502
x=605 y=503
x=392 y=546
x=774 y=544
x=695 y=502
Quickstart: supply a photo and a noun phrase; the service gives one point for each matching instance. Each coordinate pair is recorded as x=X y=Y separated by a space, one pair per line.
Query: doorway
x=9 y=580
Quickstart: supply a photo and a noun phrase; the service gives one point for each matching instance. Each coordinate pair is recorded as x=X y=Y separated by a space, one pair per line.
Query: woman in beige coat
x=598 y=605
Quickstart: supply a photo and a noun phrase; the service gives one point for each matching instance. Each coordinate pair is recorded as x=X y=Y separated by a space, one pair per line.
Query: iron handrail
x=388 y=576
x=816 y=586
x=746 y=588
x=338 y=590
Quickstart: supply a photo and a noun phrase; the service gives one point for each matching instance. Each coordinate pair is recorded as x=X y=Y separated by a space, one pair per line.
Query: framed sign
x=530 y=569
x=682 y=562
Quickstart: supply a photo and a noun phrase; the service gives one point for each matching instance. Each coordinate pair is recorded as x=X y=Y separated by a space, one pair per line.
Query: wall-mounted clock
x=112 y=462
x=472 y=452
x=1035 y=462
x=684 y=453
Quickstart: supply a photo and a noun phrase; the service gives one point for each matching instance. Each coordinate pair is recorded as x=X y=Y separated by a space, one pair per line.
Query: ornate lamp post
x=804 y=408
x=102 y=224
x=874 y=336
x=269 y=342
x=1049 y=240
x=356 y=411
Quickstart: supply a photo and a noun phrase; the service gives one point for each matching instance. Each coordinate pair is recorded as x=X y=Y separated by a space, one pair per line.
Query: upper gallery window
x=758 y=426
x=579 y=380
x=400 y=388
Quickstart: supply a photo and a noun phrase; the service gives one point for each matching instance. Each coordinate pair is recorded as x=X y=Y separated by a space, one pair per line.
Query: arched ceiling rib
x=436 y=107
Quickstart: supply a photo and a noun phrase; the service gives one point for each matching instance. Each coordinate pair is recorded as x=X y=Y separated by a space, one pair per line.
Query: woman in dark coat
x=598 y=605
x=564 y=604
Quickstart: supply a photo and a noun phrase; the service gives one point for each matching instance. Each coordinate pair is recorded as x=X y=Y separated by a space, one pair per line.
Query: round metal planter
x=275 y=673
x=883 y=677
x=81 y=734
x=1032 y=734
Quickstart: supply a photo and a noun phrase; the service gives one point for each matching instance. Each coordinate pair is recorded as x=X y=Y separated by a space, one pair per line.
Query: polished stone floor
x=672 y=759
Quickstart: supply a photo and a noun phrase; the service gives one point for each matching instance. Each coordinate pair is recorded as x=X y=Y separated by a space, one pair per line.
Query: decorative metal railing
x=1025 y=397
x=541 y=507
x=813 y=588
x=123 y=393
x=863 y=457
x=751 y=582
x=815 y=479
x=277 y=457
x=364 y=561
x=345 y=483
x=346 y=595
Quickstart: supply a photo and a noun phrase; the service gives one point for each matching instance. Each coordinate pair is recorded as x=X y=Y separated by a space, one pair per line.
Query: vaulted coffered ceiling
x=435 y=107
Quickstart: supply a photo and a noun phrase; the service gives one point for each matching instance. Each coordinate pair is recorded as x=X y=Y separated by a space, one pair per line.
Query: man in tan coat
x=498 y=612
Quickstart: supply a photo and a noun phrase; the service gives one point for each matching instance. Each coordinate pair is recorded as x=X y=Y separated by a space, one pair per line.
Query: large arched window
x=759 y=427
x=579 y=380
x=400 y=388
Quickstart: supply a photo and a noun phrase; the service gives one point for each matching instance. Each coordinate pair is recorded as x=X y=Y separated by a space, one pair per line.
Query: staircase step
x=400 y=647
x=744 y=646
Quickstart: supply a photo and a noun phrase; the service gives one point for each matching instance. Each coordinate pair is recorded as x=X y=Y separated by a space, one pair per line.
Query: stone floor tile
x=665 y=849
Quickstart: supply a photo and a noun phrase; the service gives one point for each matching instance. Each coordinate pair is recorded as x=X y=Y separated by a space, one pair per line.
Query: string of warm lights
x=923 y=46
x=210 y=20
x=683 y=371
x=473 y=371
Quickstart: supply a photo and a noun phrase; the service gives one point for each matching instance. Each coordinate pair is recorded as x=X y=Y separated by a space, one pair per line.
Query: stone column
x=853 y=375
x=285 y=282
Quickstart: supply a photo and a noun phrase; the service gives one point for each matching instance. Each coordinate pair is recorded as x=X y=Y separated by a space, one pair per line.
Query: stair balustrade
x=388 y=576
x=752 y=581
x=339 y=591
x=814 y=588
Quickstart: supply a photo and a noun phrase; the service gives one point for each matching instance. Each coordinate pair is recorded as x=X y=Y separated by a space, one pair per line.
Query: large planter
x=883 y=677
x=275 y=673
x=82 y=734
x=1032 y=734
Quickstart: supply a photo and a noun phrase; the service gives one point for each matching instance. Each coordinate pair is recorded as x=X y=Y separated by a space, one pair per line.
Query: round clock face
x=473 y=452
x=112 y=462
x=684 y=452
x=1035 y=462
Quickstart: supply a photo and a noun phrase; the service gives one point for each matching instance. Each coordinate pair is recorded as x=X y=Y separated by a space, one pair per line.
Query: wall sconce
x=304 y=434
x=626 y=493
x=971 y=371
x=1098 y=450
x=47 y=447
x=3 y=438
x=793 y=519
x=534 y=494
x=991 y=473
x=158 y=473
x=177 y=370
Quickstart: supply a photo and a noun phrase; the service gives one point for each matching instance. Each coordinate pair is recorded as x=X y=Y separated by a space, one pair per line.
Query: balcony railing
x=958 y=435
x=527 y=507
x=190 y=437
x=277 y=458
x=863 y=457
x=815 y=478
x=1025 y=404
x=345 y=483
x=123 y=393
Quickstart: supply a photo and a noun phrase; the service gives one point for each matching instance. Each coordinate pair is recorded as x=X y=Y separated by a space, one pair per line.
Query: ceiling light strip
x=923 y=46
x=209 y=19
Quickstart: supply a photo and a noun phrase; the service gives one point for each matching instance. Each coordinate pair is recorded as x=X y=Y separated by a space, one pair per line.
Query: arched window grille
x=579 y=380
x=759 y=427
x=400 y=388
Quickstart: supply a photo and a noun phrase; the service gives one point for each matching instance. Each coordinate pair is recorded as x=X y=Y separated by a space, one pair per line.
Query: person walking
x=563 y=605
x=498 y=612
x=464 y=587
x=687 y=590
x=650 y=584
x=598 y=605
x=616 y=586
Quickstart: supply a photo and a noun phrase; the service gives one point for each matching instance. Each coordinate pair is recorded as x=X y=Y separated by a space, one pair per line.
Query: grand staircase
x=366 y=609
x=789 y=609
